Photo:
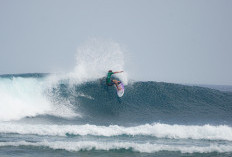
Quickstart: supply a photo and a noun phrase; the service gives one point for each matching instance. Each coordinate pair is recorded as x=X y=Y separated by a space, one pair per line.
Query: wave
x=208 y=132
x=148 y=102
x=138 y=147
x=94 y=102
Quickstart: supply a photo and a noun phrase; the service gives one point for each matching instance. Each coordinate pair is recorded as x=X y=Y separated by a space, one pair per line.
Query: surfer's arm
x=118 y=72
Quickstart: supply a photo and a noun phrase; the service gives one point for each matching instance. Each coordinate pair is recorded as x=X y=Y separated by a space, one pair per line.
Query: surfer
x=109 y=81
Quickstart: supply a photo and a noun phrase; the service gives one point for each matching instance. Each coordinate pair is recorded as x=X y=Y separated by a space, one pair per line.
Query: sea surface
x=43 y=117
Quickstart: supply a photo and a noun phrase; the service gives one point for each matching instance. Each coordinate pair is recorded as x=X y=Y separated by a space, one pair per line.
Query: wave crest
x=208 y=132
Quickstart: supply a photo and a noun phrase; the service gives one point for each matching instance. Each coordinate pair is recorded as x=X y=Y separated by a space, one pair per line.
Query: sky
x=179 y=41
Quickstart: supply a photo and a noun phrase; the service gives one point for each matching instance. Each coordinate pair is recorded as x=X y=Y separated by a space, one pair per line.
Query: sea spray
x=96 y=57
x=93 y=60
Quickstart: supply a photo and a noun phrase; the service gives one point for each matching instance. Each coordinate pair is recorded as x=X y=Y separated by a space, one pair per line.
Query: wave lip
x=208 y=132
x=138 y=147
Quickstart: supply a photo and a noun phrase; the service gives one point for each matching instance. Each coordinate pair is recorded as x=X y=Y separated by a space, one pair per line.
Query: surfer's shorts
x=111 y=83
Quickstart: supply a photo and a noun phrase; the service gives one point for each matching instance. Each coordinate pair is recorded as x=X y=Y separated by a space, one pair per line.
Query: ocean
x=41 y=115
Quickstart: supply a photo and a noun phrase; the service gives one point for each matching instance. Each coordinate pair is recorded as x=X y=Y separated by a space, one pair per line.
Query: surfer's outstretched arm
x=118 y=72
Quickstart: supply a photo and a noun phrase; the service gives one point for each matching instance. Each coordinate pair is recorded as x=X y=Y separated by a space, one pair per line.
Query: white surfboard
x=120 y=89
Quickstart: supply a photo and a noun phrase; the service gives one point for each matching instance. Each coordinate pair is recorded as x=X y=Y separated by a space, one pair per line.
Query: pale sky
x=180 y=41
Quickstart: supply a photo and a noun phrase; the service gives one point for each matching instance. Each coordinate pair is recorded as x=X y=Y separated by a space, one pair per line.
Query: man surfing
x=109 y=81
x=118 y=84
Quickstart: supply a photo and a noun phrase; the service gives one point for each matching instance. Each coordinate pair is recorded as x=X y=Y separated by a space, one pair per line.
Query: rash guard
x=108 y=79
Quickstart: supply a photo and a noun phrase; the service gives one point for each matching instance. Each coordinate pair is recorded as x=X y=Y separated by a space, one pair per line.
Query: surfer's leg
x=116 y=83
x=110 y=84
x=113 y=82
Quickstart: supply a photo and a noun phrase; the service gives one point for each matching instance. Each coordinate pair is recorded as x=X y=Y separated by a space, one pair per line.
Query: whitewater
x=76 y=114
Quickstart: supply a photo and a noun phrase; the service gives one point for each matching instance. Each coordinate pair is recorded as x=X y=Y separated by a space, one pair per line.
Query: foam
x=28 y=97
x=209 y=132
x=138 y=147
x=20 y=97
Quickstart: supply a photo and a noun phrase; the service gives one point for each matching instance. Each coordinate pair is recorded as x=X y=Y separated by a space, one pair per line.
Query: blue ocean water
x=44 y=116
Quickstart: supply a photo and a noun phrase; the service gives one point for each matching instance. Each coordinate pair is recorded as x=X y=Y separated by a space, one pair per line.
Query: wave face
x=146 y=102
x=150 y=119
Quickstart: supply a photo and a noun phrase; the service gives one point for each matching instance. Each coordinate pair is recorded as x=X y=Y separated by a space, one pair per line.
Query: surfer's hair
x=110 y=71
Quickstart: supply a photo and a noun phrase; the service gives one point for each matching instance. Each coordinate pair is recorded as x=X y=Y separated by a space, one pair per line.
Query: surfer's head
x=110 y=71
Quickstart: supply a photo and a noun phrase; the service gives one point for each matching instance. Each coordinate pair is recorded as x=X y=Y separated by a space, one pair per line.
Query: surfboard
x=120 y=91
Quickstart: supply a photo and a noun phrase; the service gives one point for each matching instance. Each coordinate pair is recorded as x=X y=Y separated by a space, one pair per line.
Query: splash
x=94 y=58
